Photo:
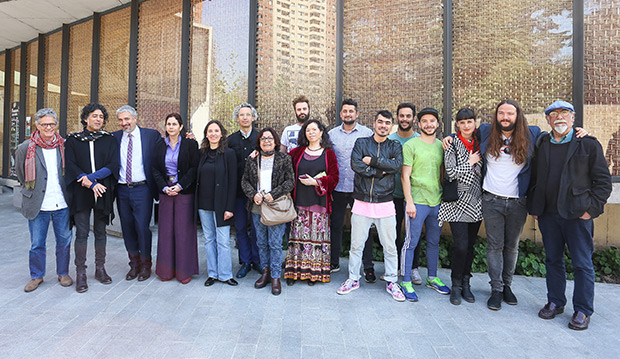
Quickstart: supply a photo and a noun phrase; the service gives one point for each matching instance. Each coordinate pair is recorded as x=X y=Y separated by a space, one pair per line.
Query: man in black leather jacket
x=375 y=160
x=569 y=187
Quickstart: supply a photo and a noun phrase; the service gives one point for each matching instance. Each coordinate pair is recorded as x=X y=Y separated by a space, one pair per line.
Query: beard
x=348 y=122
x=302 y=117
x=560 y=127
x=400 y=127
x=510 y=127
x=427 y=132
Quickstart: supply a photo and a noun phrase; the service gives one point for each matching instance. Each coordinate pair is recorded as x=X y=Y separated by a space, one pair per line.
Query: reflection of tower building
x=296 y=52
x=202 y=64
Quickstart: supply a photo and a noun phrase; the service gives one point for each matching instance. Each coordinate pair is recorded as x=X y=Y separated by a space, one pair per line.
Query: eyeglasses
x=555 y=114
x=506 y=148
x=48 y=125
x=266 y=139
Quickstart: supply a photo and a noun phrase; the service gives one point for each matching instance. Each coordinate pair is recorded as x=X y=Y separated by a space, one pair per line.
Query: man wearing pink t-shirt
x=375 y=160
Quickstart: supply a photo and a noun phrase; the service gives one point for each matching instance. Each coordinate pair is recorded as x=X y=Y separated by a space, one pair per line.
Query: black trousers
x=464 y=235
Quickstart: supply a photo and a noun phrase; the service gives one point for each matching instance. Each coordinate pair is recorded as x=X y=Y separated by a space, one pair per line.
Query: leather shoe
x=290 y=282
x=133 y=273
x=230 y=281
x=256 y=267
x=509 y=297
x=243 y=271
x=311 y=282
x=276 y=286
x=33 y=284
x=579 y=321
x=65 y=280
x=102 y=276
x=145 y=274
x=550 y=310
x=80 y=283
x=495 y=302
x=209 y=282
x=264 y=278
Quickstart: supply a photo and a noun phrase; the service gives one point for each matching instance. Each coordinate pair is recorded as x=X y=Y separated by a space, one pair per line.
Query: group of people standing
x=502 y=170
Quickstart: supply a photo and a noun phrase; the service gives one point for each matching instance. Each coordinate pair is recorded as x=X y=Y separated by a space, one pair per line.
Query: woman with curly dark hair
x=316 y=173
x=216 y=187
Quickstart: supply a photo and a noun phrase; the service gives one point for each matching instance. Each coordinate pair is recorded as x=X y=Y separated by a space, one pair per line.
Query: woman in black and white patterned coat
x=463 y=162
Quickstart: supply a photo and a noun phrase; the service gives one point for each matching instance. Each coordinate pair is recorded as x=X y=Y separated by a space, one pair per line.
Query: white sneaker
x=415 y=277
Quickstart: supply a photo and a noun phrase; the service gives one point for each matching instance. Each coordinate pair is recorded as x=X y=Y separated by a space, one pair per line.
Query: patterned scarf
x=36 y=140
x=87 y=135
x=472 y=145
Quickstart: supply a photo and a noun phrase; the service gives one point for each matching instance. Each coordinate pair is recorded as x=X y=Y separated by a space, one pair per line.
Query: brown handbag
x=280 y=210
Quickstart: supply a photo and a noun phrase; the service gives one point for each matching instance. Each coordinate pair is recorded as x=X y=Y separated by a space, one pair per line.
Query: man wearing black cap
x=422 y=159
x=569 y=187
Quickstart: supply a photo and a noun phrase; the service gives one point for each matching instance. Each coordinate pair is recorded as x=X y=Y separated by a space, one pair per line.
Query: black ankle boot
x=456 y=291
x=468 y=296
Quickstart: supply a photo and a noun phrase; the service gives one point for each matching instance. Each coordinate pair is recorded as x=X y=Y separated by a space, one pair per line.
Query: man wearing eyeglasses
x=40 y=164
x=569 y=188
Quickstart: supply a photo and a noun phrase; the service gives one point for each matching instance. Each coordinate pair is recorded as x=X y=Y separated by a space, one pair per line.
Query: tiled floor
x=153 y=319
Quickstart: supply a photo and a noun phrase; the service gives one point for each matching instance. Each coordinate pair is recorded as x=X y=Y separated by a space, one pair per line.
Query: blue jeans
x=503 y=220
x=217 y=246
x=248 y=250
x=425 y=215
x=38 y=235
x=269 y=240
x=577 y=235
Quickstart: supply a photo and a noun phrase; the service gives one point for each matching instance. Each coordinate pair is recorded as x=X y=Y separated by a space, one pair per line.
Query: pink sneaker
x=394 y=289
x=348 y=286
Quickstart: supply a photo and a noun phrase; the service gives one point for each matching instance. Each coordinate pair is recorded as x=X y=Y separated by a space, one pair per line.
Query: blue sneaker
x=409 y=292
x=438 y=285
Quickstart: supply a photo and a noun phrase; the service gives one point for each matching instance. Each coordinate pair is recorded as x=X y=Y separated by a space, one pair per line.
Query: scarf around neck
x=472 y=145
x=37 y=140
x=87 y=135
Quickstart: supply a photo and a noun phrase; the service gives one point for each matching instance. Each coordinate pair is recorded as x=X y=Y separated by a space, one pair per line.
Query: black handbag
x=450 y=187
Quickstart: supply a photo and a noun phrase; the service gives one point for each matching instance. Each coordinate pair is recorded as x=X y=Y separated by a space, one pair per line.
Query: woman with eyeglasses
x=174 y=170
x=216 y=187
x=266 y=178
x=462 y=162
x=316 y=173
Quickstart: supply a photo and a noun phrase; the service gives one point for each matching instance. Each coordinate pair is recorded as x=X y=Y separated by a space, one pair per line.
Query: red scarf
x=472 y=145
x=35 y=141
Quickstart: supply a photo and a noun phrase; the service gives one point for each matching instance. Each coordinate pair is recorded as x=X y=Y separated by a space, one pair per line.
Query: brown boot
x=264 y=279
x=80 y=281
x=33 y=284
x=276 y=287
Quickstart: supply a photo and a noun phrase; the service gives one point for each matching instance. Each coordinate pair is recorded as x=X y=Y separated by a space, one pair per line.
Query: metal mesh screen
x=80 y=57
x=218 y=62
x=602 y=77
x=114 y=62
x=392 y=54
x=53 y=57
x=159 y=51
x=2 y=94
x=296 y=55
x=16 y=59
x=31 y=92
x=520 y=50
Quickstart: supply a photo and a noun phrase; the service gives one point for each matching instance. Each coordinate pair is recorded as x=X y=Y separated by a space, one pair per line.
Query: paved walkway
x=152 y=319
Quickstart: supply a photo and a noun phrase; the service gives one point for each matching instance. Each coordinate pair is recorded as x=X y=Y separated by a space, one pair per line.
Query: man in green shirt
x=422 y=159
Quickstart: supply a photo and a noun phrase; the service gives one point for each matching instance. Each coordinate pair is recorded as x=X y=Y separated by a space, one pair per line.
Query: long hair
x=302 y=140
x=179 y=119
x=205 y=144
x=90 y=108
x=520 y=141
x=276 y=139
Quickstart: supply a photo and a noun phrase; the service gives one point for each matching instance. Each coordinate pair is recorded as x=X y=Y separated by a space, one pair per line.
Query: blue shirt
x=172 y=158
x=343 y=143
x=566 y=138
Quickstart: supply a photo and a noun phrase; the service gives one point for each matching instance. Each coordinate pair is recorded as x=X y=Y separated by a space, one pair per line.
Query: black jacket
x=189 y=155
x=375 y=182
x=282 y=177
x=243 y=147
x=77 y=155
x=585 y=182
x=225 y=185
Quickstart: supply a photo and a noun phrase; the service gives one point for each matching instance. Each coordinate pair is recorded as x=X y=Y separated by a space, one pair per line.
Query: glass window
x=53 y=57
x=31 y=92
x=80 y=65
x=219 y=62
x=278 y=85
x=391 y=59
x=159 y=61
x=114 y=62
x=2 y=75
x=602 y=77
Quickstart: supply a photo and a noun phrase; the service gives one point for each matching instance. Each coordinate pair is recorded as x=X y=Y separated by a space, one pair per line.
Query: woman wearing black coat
x=174 y=170
x=215 y=197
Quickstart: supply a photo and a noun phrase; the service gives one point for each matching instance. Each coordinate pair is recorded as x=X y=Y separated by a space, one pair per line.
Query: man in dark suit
x=40 y=164
x=136 y=190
